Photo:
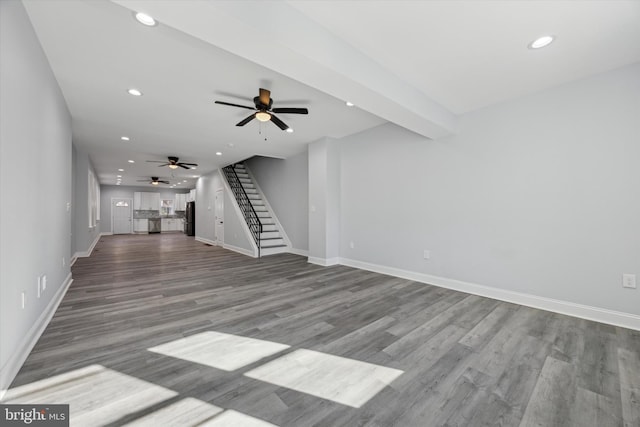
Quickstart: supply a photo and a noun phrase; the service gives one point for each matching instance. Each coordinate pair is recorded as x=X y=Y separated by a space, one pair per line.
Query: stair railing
x=249 y=213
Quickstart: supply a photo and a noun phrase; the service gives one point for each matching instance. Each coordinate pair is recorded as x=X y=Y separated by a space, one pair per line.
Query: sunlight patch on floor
x=219 y=350
x=346 y=381
x=96 y=395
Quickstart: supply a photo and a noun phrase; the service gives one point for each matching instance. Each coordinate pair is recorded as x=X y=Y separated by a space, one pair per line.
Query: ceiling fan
x=154 y=180
x=264 y=112
x=174 y=163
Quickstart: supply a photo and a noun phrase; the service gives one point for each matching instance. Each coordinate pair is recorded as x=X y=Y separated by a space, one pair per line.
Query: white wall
x=285 y=183
x=538 y=195
x=83 y=236
x=35 y=183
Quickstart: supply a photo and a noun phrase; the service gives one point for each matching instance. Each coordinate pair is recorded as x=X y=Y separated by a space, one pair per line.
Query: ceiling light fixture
x=134 y=92
x=218 y=153
x=145 y=19
x=120 y=170
x=118 y=176
x=193 y=167
x=289 y=130
x=349 y=104
x=263 y=116
x=124 y=138
x=154 y=182
x=541 y=42
x=131 y=161
x=173 y=166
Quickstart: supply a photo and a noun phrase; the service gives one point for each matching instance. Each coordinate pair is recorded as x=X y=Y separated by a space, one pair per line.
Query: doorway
x=121 y=213
x=219 y=217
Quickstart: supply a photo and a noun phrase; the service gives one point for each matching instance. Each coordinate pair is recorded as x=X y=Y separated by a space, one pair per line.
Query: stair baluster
x=249 y=213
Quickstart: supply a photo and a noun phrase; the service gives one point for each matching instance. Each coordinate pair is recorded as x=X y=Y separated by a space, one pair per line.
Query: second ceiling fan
x=264 y=112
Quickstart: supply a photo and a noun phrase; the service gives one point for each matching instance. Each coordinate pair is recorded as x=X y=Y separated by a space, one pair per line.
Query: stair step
x=273 y=251
x=263 y=214
x=259 y=208
x=270 y=243
x=269 y=234
x=256 y=202
x=269 y=227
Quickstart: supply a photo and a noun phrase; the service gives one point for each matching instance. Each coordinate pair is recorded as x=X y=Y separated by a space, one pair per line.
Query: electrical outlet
x=64 y=262
x=629 y=281
x=44 y=282
x=427 y=254
x=39 y=284
x=24 y=299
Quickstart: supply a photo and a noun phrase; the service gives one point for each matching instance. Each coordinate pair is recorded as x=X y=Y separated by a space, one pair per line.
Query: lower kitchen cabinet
x=140 y=225
x=172 y=224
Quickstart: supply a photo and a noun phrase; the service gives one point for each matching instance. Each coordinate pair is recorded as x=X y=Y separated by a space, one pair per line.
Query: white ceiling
x=415 y=63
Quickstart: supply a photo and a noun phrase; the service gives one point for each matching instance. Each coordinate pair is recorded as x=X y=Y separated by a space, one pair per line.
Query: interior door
x=219 y=217
x=121 y=213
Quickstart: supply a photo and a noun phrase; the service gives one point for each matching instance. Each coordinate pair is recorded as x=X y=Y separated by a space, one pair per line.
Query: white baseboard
x=301 y=252
x=207 y=241
x=88 y=252
x=602 y=315
x=240 y=250
x=15 y=362
x=325 y=262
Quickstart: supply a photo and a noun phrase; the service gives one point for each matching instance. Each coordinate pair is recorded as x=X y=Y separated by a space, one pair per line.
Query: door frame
x=130 y=199
x=219 y=191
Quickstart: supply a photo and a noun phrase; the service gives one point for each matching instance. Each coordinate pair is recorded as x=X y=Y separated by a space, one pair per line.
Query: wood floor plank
x=465 y=360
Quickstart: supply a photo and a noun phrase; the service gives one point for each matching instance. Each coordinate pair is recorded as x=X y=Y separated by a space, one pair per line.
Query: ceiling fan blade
x=157 y=161
x=291 y=110
x=276 y=121
x=182 y=165
x=247 y=120
x=164 y=182
x=265 y=96
x=235 y=105
x=188 y=164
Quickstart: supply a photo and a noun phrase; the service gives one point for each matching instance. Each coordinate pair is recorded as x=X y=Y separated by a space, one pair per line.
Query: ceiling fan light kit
x=264 y=112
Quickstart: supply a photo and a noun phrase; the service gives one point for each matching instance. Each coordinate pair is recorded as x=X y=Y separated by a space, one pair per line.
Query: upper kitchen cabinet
x=180 y=203
x=143 y=201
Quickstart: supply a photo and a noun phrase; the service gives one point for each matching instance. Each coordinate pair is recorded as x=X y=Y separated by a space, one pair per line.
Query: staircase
x=260 y=220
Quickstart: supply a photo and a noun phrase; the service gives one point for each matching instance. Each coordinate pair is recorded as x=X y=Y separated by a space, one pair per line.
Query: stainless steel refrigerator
x=190 y=219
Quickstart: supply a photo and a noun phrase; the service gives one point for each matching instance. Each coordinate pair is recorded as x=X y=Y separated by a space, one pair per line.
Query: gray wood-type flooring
x=463 y=360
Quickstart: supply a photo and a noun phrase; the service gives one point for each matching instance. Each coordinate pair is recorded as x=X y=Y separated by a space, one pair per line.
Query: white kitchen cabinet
x=171 y=224
x=145 y=201
x=137 y=201
x=192 y=196
x=180 y=203
x=153 y=201
x=140 y=225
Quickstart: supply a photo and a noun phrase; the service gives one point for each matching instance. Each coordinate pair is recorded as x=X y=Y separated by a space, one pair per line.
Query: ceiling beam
x=281 y=38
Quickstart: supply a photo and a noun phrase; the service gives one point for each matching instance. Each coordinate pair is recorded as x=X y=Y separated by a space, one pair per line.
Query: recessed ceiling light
x=541 y=42
x=124 y=138
x=195 y=176
x=289 y=130
x=131 y=161
x=145 y=19
x=349 y=104
x=134 y=92
x=218 y=154
x=184 y=180
x=120 y=170
x=230 y=145
x=193 y=167
x=118 y=176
